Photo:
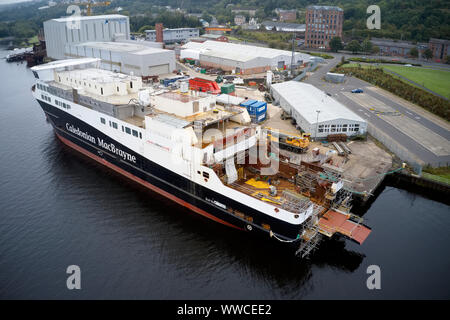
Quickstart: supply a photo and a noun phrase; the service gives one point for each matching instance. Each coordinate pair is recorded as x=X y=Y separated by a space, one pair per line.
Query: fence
x=399 y=150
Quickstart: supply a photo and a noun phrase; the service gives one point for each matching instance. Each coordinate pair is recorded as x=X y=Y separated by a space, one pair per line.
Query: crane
x=90 y=4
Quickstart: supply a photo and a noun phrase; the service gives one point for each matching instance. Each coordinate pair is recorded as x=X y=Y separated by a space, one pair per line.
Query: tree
x=428 y=54
x=367 y=46
x=336 y=44
x=375 y=49
x=353 y=46
x=414 y=52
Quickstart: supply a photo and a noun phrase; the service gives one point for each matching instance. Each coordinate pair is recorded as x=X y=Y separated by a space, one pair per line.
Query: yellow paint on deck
x=258 y=184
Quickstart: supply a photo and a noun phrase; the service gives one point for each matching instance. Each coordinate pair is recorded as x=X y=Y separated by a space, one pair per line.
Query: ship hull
x=173 y=186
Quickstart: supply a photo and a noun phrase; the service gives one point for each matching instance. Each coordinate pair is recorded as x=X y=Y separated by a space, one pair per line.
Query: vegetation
x=336 y=44
x=441 y=174
x=369 y=60
x=428 y=54
x=319 y=54
x=435 y=80
x=353 y=46
x=401 y=19
x=378 y=77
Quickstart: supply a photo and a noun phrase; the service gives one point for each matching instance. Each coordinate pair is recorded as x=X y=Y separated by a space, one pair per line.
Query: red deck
x=333 y=222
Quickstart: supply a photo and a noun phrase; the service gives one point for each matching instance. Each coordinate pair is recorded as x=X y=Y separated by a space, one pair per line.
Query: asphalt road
x=338 y=90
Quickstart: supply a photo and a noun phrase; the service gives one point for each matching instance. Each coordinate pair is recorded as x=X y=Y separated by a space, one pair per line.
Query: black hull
x=169 y=184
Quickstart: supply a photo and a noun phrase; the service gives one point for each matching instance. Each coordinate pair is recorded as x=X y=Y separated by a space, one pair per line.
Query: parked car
x=359 y=90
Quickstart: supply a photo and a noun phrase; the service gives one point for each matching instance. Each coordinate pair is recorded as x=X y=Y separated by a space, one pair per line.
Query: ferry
x=206 y=157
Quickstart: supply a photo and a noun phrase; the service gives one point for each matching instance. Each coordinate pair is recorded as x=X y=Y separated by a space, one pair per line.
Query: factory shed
x=315 y=112
x=126 y=57
x=245 y=59
x=79 y=29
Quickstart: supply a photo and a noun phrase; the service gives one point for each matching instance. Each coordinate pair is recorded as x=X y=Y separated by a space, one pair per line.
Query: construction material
x=339 y=150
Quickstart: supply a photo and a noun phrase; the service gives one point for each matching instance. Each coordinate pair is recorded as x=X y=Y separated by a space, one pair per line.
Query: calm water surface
x=58 y=209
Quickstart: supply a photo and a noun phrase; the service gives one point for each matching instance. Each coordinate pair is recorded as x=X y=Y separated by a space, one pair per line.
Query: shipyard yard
x=132 y=244
x=236 y=160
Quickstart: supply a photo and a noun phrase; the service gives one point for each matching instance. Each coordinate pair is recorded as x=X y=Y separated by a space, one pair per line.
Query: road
x=423 y=134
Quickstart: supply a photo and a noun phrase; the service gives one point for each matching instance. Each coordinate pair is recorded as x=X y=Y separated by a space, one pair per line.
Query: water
x=58 y=209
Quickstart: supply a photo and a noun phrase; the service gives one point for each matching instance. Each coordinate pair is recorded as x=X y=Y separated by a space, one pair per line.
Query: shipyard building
x=172 y=35
x=70 y=30
x=126 y=57
x=239 y=58
x=315 y=112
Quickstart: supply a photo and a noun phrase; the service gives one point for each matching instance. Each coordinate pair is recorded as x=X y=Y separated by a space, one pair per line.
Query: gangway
x=336 y=222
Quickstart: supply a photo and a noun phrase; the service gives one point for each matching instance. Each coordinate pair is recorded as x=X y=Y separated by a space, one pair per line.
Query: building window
x=127 y=130
x=140 y=135
x=135 y=133
x=114 y=125
x=102 y=120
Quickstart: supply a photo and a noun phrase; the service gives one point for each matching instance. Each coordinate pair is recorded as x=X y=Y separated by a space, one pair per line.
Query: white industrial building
x=314 y=110
x=126 y=57
x=70 y=30
x=245 y=59
x=173 y=35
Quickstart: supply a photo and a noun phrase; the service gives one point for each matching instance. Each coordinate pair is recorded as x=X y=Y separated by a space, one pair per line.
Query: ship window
x=117 y=89
x=114 y=125
x=131 y=84
x=140 y=135
x=127 y=130
x=110 y=124
x=102 y=120
x=135 y=133
x=101 y=90
x=206 y=175
x=123 y=129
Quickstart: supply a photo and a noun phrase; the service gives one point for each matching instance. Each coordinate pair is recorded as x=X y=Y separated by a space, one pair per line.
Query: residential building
x=390 y=47
x=239 y=20
x=439 y=47
x=287 y=15
x=323 y=23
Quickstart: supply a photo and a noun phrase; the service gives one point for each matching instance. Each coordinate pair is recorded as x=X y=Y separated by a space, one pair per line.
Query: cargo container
x=227 y=88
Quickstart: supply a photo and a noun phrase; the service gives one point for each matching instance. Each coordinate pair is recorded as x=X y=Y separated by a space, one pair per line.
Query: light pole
x=317 y=124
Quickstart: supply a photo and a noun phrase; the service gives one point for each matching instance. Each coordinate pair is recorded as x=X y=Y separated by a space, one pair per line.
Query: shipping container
x=227 y=88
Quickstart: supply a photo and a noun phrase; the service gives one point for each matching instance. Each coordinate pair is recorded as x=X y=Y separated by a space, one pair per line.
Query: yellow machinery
x=288 y=141
x=89 y=5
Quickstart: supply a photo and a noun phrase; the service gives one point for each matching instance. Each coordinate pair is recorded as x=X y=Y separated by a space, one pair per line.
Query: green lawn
x=435 y=80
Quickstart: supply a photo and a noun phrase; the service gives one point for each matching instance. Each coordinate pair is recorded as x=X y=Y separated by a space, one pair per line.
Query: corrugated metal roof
x=102 y=17
x=307 y=99
x=242 y=49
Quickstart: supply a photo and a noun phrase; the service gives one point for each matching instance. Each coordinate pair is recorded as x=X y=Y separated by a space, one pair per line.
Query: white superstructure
x=166 y=127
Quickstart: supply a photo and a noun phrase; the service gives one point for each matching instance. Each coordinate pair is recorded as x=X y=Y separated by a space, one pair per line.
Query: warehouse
x=126 y=57
x=315 y=112
x=70 y=30
x=239 y=58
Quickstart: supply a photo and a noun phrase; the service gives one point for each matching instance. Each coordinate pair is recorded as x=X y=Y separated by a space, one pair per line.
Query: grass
x=434 y=177
x=441 y=174
x=435 y=80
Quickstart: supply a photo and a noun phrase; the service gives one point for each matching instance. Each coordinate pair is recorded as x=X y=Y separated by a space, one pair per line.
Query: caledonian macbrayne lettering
x=101 y=143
